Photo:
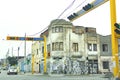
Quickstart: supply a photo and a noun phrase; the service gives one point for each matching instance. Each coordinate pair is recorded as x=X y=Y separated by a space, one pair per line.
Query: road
x=4 y=76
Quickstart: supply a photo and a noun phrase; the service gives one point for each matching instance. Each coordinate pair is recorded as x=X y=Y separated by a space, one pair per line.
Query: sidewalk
x=82 y=77
x=52 y=75
x=29 y=73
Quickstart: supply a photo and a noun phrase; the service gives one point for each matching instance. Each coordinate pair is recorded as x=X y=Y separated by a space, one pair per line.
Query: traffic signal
x=87 y=7
x=117 y=30
x=24 y=38
x=12 y=38
x=72 y=16
x=29 y=38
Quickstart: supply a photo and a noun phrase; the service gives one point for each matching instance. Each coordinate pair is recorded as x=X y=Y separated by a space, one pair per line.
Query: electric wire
x=60 y=16
x=57 y=18
x=72 y=10
x=39 y=32
x=80 y=5
x=75 y=8
x=66 y=9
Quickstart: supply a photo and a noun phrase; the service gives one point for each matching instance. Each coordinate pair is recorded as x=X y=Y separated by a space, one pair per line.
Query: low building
x=105 y=57
x=73 y=49
x=36 y=57
x=29 y=63
x=21 y=65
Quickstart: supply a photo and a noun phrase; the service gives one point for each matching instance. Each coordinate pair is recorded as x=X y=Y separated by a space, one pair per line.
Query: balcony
x=59 y=54
x=76 y=54
x=92 y=53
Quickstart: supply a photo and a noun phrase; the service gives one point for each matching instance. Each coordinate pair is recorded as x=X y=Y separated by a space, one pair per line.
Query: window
x=48 y=48
x=53 y=46
x=94 y=47
x=105 y=64
x=43 y=50
x=61 y=46
x=57 y=46
x=77 y=30
x=57 y=29
x=53 y=29
x=61 y=29
x=37 y=51
x=105 y=47
x=89 y=46
x=75 y=47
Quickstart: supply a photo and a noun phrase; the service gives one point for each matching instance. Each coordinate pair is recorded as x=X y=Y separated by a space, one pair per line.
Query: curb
x=53 y=75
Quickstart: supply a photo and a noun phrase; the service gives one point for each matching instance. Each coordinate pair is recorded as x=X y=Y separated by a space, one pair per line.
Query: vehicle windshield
x=12 y=67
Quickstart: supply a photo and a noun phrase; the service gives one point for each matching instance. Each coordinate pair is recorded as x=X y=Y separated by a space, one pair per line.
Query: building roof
x=60 y=22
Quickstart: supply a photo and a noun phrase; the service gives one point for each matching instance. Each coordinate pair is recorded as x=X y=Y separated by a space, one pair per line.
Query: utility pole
x=45 y=55
x=25 y=47
x=25 y=53
x=7 y=57
x=115 y=34
x=18 y=52
x=33 y=63
x=12 y=51
x=115 y=57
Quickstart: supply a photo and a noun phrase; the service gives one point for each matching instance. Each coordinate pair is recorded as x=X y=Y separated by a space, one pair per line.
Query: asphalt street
x=29 y=76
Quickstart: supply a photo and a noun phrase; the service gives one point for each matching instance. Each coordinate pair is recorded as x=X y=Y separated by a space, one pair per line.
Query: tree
x=12 y=60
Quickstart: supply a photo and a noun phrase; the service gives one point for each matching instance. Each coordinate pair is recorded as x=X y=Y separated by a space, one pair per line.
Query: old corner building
x=72 y=50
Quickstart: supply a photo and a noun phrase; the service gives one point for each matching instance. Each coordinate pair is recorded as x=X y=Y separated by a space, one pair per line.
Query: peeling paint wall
x=68 y=60
x=36 y=53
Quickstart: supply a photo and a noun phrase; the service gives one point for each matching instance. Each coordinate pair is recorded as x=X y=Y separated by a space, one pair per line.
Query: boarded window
x=53 y=46
x=57 y=46
x=75 y=47
x=105 y=47
x=105 y=64
x=61 y=46
x=94 y=47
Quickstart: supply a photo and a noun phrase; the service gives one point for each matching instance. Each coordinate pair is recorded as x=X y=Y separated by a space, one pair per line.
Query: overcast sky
x=18 y=17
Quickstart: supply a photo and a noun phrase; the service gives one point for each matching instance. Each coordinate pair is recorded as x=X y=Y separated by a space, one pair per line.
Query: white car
x=12 y=70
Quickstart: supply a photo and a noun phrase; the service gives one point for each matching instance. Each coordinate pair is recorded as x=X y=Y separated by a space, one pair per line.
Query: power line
x=59 y=16
x=80 y=5
x=66 y=9
x=38 y=32
x=76 y=8
x=71 y=11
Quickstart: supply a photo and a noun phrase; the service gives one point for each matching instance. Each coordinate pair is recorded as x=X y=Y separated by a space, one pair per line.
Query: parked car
x=4 y=68
x=0 y=70
x=12 y=70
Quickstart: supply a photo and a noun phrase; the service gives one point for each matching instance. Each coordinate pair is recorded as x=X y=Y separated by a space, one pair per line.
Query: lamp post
x=18 y=53
x=25 y=54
